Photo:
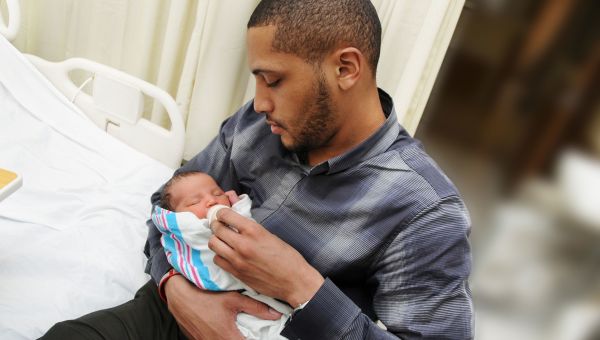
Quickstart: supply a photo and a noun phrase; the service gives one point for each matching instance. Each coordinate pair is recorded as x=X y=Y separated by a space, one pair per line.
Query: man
x=355 y=223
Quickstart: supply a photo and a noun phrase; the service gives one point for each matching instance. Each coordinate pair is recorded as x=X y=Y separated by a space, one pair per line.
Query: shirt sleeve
x=214 y=160
x=420 y=286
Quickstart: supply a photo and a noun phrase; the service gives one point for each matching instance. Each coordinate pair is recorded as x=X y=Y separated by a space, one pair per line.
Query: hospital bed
x=71 y=237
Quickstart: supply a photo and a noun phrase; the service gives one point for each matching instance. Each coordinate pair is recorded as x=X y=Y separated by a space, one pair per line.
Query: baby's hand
x=233 y=197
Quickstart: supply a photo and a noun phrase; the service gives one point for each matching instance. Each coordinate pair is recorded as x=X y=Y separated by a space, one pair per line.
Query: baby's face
x=197 y=193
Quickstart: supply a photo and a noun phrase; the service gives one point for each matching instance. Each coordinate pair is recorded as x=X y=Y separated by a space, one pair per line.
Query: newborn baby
x=190 y=201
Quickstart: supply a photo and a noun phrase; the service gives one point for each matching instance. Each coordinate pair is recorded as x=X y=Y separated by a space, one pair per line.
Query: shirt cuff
x=328 y=315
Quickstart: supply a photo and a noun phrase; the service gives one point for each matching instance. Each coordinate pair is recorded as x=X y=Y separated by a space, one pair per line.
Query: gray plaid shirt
x=382 y=223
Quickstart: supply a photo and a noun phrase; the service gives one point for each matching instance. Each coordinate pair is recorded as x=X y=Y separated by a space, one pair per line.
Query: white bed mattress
x=71 y=238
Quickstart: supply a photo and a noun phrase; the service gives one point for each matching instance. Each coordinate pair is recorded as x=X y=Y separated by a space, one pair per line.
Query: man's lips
x=275 y=128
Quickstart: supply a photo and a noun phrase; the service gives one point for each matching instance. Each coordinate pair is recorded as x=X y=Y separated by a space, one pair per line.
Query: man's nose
x=262 y=102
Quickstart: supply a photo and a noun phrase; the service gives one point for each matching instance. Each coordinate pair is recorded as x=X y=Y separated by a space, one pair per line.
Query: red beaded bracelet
x=161 y=285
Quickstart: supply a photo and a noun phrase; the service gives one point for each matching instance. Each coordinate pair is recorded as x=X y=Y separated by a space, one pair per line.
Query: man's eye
x=273 y=83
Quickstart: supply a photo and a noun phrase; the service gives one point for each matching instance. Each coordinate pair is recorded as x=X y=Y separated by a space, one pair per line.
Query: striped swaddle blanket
x=185 y=239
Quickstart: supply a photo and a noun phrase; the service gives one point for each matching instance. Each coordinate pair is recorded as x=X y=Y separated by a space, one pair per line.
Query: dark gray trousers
x=145 y=317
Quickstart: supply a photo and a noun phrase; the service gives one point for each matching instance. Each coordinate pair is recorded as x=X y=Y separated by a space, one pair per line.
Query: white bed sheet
x=71 y=238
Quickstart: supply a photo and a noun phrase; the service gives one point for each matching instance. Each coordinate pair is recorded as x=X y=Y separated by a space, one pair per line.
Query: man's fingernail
x=274 y=312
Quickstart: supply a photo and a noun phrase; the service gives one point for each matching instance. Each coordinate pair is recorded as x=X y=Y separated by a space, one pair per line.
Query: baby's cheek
x=199 y=211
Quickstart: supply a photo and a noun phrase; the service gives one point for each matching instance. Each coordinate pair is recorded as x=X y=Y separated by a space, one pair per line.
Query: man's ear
x=349 y=67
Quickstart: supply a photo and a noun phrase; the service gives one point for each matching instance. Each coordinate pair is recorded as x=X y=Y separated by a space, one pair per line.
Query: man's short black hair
x=312 y=28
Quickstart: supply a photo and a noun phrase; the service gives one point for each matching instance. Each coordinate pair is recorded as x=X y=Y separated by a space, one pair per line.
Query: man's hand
x=262 y=260
x=232 y=196
x=210 y=315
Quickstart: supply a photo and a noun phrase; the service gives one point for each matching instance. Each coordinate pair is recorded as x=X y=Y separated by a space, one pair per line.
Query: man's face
x=196 y=193
x=292 y=93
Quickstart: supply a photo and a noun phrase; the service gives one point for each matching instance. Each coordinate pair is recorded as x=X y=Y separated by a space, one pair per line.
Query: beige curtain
x=195 y=50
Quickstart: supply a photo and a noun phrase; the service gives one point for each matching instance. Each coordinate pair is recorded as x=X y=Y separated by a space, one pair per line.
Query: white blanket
x=72 y=237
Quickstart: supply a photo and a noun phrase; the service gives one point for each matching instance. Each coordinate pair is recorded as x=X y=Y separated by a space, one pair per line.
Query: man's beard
x=316 y=130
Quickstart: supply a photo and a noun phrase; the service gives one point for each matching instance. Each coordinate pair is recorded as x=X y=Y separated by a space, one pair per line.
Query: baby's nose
x=211 y=202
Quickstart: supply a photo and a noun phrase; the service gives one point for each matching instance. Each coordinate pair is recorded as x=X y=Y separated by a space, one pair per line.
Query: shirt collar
x=376 y=144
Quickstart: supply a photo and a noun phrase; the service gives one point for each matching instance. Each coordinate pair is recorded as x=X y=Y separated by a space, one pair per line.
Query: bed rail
x=9 y=31
x=116 y=105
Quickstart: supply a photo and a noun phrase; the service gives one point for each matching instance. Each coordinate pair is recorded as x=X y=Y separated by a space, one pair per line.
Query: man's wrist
x=303 y=295
x=163 y=283
x=314 y=321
